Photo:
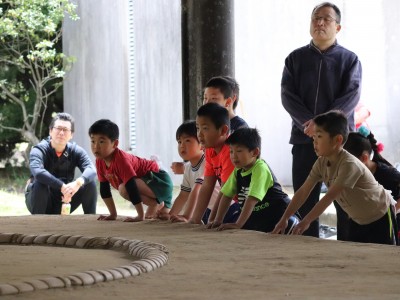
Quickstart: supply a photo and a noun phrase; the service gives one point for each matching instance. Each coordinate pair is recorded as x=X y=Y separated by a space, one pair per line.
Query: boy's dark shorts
x=161 y=185
x=231 y=216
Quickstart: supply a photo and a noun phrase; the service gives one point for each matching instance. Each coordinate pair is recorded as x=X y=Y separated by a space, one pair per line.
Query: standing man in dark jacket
x=317 y=78
x=52 y=163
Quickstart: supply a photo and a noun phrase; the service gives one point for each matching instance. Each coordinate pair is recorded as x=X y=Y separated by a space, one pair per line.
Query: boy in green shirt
x=260 y=196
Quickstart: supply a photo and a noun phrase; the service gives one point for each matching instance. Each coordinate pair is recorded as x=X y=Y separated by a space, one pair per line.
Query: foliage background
x=32 y=68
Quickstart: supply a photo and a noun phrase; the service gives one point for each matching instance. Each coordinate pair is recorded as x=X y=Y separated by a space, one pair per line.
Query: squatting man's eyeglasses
x=64 y=129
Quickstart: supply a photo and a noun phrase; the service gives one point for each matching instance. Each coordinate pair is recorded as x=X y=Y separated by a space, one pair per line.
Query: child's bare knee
x=123 y=192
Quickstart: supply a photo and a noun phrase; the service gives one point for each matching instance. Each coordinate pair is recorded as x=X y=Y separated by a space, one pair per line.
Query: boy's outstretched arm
x=244 y=215
x=190 y=205
x=179 y=203
x=214 y=210
x=332 y=194
x=192 y=201
x=203 y=199
x=221 y=209
x=105 y=192
x=298 y=200
x=111 y=208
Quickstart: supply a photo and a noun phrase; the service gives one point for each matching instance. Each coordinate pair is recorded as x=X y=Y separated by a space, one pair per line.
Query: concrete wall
x=97 y=86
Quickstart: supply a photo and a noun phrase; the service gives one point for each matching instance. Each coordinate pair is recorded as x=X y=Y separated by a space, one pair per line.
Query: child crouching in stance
x=363 y=145
x=260 y=196
x=137 y=180
x=349 y=182
x=190 y=150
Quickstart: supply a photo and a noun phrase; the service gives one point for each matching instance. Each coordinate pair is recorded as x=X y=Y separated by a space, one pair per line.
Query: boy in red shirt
x=137 y=179
x=223 y=90
x=212 y=124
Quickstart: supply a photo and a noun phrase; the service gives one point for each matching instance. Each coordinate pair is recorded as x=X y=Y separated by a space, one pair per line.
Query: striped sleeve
x=199 y=180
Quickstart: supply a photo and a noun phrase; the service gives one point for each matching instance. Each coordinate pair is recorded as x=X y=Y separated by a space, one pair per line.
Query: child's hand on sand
x=177 y=219
x=135 y=219
x=301 y=227
x=212 y=225
x=228 y=226
x=280 y=226
x=107 y=218
x=161 y=215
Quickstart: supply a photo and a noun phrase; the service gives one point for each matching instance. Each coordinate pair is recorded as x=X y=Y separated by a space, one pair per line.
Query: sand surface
x=203 y=264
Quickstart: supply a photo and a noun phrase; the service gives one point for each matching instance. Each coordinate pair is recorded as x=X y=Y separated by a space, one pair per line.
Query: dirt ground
x=203 y=264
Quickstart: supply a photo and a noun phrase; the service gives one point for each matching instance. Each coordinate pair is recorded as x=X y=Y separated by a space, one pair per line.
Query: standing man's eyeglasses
x=327 y=20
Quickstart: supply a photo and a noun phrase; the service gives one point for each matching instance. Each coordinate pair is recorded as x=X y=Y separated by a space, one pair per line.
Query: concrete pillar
x=207 y=47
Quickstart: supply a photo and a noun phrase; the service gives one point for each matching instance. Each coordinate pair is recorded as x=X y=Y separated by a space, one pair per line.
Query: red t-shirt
x=123 y=167
x=219 y=165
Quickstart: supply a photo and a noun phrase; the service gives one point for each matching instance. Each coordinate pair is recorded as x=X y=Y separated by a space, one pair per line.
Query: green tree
x=32 y=65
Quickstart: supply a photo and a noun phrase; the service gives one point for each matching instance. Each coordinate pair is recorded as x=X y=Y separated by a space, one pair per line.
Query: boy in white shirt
x=191 y=151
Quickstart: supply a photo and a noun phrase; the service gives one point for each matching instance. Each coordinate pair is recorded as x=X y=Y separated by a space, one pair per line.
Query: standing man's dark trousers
x=304 y=158
x=41 y=199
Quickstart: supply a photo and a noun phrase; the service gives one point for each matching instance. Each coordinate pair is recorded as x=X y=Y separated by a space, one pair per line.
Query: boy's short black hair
x=218 y=115
x=236 y=89
x=247 y=137
x=105 y=127
x=224 y=83
x=333 y=122
x=64 y=117
x=187 y=127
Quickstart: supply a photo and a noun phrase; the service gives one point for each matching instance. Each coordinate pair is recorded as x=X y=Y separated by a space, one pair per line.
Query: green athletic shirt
x=262 y=181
